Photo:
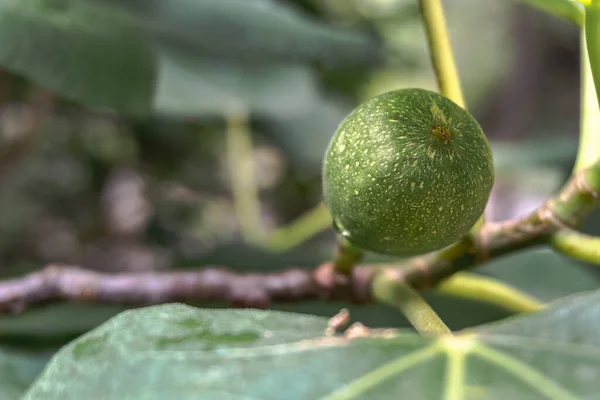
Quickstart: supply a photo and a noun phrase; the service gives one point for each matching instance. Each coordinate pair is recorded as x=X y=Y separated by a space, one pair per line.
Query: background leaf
x=17 y=372
x=53 y=324
x=205 y=56
x=306 y=134
x=542 y=273
x=79 y=51
x=252 y=30
x=566 y=9
x=195 y=86
x=256 y=59
x=178 y=351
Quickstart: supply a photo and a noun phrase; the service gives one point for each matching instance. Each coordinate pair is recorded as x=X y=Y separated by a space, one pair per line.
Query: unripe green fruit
x=407 y=172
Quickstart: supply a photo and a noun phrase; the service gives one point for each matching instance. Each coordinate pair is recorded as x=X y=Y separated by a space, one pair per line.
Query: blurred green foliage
x=129 y=171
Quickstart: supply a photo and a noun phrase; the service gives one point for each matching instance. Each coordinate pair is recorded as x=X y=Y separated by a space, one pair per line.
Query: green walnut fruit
x=407 y=172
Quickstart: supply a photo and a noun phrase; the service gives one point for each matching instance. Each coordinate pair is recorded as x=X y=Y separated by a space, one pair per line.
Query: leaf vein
x=455 y=376
x=535 y=379
x=386 y=371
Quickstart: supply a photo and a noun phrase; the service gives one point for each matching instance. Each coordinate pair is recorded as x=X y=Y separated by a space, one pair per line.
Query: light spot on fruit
x=421 y=185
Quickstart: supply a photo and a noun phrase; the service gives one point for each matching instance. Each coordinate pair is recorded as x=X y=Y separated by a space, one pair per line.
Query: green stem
x=313 y=222
x=577 y=245
x=242 y=173
x=440 y=50
x=589 y=136
x=392 y=291
x=488 y=290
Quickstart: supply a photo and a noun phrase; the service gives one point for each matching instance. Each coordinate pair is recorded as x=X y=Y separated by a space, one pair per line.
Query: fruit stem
x=346 y=255
x=440 y=50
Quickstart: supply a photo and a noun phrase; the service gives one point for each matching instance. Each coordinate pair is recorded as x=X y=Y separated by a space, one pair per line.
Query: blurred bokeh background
x=113 y=192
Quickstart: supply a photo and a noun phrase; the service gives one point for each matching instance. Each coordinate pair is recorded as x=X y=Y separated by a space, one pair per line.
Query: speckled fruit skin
x=407 y=172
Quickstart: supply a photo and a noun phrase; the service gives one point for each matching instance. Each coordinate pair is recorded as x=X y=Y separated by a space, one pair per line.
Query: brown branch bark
x=60 y=283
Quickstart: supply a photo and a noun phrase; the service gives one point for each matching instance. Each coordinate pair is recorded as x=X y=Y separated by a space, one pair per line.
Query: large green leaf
x=176 y=351
x=78 y=50
x=17 y=372
x=572 y=320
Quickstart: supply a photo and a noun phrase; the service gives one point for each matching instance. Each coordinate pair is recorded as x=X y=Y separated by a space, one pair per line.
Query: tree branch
x=60 y=283
x=55 y=283
x=563 y=211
